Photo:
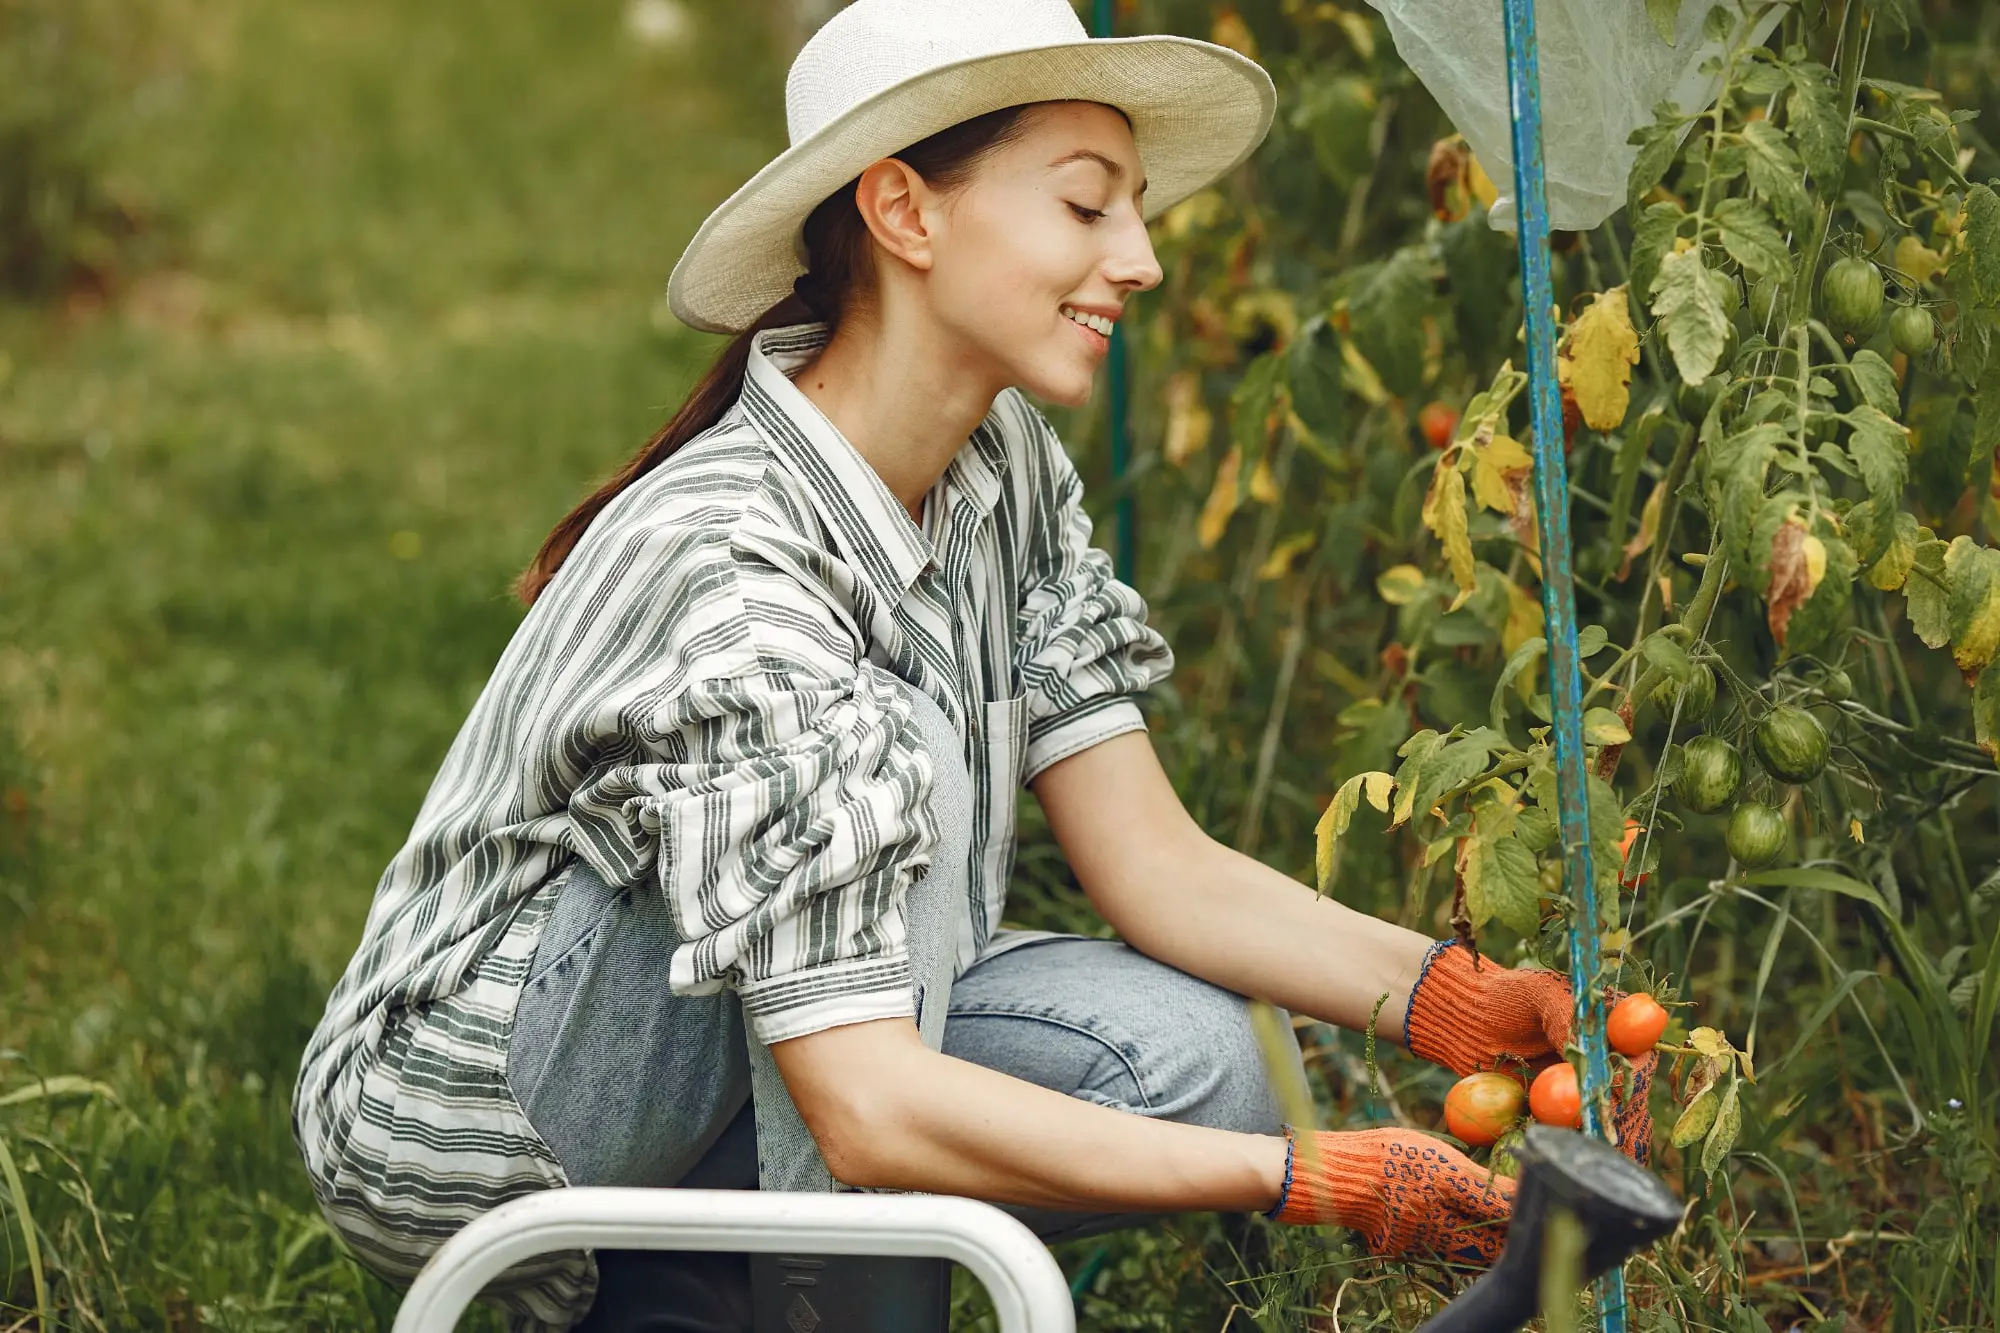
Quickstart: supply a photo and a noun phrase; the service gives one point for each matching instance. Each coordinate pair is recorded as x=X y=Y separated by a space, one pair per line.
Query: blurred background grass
x=317 y=316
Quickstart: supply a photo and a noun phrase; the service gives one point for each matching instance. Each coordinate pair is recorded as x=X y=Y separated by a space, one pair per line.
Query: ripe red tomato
x=1555 y=1098
x=1481 y=1107
x=1634 y=1025
x=1438 y=423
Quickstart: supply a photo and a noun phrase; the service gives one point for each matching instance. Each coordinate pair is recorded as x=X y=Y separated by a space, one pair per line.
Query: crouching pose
x=708 y=890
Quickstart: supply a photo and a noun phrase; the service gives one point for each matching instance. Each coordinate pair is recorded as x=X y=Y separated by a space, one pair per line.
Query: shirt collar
x=874 y=530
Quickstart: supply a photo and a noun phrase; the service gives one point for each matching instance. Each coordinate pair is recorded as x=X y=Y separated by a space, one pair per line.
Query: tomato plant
x=1783 y=390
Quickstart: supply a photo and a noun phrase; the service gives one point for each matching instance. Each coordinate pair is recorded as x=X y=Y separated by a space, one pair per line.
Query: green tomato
x=1756 y=835
x=1912 y=330
x=1850 y=295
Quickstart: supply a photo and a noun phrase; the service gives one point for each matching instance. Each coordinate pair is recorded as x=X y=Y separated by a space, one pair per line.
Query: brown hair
x=840 y=261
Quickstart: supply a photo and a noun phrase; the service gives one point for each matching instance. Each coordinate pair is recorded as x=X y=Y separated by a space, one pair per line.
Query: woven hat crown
x=873 y=45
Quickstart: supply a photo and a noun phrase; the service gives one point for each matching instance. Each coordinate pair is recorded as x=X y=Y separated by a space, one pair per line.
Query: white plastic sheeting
x=1603 y=65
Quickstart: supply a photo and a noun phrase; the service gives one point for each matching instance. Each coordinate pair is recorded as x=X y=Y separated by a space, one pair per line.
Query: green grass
x=257 y=518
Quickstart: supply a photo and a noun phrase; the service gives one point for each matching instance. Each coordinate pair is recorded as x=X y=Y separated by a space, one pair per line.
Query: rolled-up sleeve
x=783 y=812
x=1083 y=647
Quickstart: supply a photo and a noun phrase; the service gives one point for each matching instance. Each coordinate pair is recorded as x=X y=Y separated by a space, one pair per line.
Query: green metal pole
x=1558 y=587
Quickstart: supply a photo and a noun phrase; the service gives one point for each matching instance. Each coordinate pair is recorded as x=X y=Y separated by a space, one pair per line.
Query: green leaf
x=1452 y=765
x=1668 y=656
x=1818 y=123
x=1827 y=881
x=1880 y=447
x=1776 y=172
x=1385 y=318
x=1590 y=641
x=1659 y=143
x=1663 y=13
x=1982 y=235
x=1653 y=235
x=1973 y=571
x=1751 y=239
x=1524 y=656
x=1601 y=726
x=1986 y=712
x=1876 y=380
x=1250 y=405
x=1927 y=595
x=1744 y=459
x=1607 y=830
x=1510 y=883
x=1684 y=301
x=1314 y=373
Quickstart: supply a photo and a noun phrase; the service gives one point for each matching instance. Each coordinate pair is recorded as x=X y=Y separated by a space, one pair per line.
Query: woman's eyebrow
x=1112 y=169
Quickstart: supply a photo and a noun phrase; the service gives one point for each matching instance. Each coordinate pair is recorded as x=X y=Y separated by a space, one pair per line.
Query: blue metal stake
x=1124 y=549
x=1558 y=588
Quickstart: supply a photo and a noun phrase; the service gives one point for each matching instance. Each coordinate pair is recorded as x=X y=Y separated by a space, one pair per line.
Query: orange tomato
x=1634 y=1025
x=1438 y=423
x=1555 y=1098
x=1481 y=1107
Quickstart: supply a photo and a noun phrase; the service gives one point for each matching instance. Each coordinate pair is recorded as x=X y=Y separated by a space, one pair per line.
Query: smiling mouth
x=1095 y=323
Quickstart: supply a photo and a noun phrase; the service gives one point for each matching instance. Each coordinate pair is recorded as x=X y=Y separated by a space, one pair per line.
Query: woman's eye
x=1087 y=214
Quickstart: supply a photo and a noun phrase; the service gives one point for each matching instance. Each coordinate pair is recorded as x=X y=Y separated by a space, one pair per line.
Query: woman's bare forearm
x=890 y=1113
x=1232 y=920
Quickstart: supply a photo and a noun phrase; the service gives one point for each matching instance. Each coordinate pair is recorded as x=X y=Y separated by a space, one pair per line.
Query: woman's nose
x=1132 y=264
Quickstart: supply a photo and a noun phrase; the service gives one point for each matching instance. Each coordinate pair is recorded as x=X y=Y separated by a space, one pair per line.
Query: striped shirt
x=701 y=703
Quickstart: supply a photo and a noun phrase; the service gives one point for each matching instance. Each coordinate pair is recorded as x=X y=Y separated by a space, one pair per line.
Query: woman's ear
x=893 y=201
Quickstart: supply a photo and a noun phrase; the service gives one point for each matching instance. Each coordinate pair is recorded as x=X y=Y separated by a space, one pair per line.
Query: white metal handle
x=1027 y=1287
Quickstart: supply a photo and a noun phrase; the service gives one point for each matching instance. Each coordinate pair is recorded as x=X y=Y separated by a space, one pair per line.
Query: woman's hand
x=1469 y=1014
x=1410 y=1196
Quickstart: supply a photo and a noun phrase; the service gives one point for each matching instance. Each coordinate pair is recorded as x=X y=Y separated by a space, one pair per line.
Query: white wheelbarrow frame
x=1022 y=1277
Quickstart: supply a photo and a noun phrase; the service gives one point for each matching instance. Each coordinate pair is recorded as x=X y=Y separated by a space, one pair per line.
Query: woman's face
x=1044 y=241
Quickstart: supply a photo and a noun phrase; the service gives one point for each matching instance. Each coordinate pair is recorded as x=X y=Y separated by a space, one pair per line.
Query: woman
x=708 y=890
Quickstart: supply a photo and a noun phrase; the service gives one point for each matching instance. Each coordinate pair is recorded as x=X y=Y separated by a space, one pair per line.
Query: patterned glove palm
x=1410 y=1197
x=1468 y=1016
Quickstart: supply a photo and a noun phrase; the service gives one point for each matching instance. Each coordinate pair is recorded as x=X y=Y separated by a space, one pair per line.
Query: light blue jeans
x=629 y=1084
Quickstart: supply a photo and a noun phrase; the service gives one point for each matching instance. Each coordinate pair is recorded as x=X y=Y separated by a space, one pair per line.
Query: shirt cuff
x=798 y=1004
x=1089 y=723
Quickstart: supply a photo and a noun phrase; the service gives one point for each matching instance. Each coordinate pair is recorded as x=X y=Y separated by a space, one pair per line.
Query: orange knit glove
x=1468 y=1017
x=1410 y=1196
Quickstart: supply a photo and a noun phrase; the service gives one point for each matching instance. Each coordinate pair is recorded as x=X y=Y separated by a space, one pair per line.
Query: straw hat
x=883 y=74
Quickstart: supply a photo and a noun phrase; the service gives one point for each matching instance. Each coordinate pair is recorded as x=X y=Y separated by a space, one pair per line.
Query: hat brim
x=1197 y=111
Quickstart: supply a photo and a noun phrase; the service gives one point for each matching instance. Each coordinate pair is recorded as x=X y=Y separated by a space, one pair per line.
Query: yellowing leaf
x=1917 y=260
x=1710 y=1042
x=1221 y=502
x=1500 y=468
x=1263 y=489
x=1524 y=620
x=1399 y=585
x=1649 y=528
x=1973 y=573
x=1482 y=186
x=1601 y=726
x=1340 y=813
x=1360 y=376
x=1231 y=31
x=1284 y=554
x=1798 y=563
x=1892 y=568
x=1189 y=422
x=1196 y=211
x=1603 y=348
x=1444 y=514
